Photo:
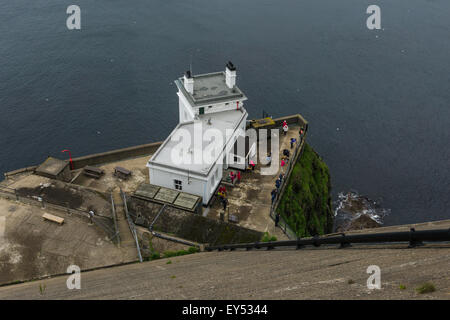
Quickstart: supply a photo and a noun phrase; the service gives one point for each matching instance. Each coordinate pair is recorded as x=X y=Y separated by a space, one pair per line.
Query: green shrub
x=155 y=255
x=306 y=201
x=267 y=237
x=193 y=249
x=402 y=287
x=426 y=288
x=169 y=254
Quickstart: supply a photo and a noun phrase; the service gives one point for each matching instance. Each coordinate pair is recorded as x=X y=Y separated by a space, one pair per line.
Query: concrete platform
x=250 y=200
x=31 y=247
x=109 y=181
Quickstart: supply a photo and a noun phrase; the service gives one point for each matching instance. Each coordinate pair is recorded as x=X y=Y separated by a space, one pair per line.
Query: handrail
x=415 y=238
x=131 y=224
x=113 y=211
x=274 y=206
x=150 y=228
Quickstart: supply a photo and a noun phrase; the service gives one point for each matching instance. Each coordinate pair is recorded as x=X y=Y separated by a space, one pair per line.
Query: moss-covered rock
x=306 y=202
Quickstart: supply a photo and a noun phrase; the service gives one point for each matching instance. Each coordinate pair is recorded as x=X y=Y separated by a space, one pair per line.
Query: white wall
x=217 y=173
x=200 y=186
x=212 y=108
x=219 y=107
x=185 y=111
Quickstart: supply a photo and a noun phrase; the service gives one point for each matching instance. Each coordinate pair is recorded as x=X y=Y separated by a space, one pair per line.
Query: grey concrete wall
x=116 y=155
x=103 y=157
x=296 y=119
x=190 y=226
x=22 y=170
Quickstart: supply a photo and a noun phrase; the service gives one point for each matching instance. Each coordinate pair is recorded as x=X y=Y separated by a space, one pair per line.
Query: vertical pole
x=70 y=158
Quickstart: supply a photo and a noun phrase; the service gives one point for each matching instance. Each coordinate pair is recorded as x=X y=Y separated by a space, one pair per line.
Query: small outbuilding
x=55 y=169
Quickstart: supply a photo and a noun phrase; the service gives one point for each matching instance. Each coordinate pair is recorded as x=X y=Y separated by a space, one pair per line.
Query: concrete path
x=126 y=238
x=251 y=199
x=31 y=247
x=279 y=274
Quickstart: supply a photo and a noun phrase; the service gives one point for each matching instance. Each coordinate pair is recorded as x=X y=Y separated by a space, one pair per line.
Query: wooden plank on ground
x=53 y=218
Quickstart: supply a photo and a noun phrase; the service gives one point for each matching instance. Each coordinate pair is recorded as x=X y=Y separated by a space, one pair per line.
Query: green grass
x=426 y=288
x=402 y=287
x=169 y=254
x=42 y=288
x=306 y=202
x=266 y=237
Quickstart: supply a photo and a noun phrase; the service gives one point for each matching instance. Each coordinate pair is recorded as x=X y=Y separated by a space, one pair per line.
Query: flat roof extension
x=52 y=166
x=222 y=121
x=210 y=88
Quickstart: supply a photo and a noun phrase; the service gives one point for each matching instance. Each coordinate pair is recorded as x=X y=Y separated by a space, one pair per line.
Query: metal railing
x=413 y=237
x=282 y=224
x=114 y=215
x=131 y=224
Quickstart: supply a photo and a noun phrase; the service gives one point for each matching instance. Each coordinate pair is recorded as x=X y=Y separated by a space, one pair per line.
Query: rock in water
x=355 y=212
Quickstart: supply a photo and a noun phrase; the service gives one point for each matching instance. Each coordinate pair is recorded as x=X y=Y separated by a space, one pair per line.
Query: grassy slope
x=306 y=202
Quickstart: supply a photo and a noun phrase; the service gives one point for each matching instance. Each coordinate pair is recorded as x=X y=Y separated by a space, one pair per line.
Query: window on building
x=178 y=184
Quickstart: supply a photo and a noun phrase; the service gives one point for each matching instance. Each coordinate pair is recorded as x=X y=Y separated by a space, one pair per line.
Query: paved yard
x=109 y=181
x=31 y=247
x=250 y=200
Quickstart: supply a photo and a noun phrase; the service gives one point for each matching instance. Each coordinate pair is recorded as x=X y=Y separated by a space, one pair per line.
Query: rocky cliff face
x=306 y=202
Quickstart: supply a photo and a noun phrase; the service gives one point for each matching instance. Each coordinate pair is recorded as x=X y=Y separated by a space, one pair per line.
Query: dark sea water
x=377 y=101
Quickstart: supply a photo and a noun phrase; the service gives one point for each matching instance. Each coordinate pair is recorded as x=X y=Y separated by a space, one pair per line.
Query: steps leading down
x=126 y=238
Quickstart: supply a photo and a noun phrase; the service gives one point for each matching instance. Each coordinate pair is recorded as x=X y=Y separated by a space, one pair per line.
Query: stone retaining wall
x=189 y=226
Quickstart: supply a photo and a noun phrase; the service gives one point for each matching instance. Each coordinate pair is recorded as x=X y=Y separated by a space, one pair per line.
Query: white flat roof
x=210 y=88
x=180 y=143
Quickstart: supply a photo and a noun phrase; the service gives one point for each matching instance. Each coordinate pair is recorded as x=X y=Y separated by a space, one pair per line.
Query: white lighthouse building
x=209 y=137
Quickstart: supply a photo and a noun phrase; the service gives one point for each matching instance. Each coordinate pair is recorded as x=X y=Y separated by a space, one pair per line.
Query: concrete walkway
x=251 y=200
x=126 y=238
x=279 y=274
x=31 y=247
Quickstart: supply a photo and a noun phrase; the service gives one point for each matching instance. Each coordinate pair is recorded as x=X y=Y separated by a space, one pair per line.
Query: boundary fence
x=413 y=238
x=114 y=215
x=282 y=224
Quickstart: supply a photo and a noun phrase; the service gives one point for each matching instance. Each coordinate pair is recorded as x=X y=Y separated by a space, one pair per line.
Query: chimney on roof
x=188 y=82
x=230 y=75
